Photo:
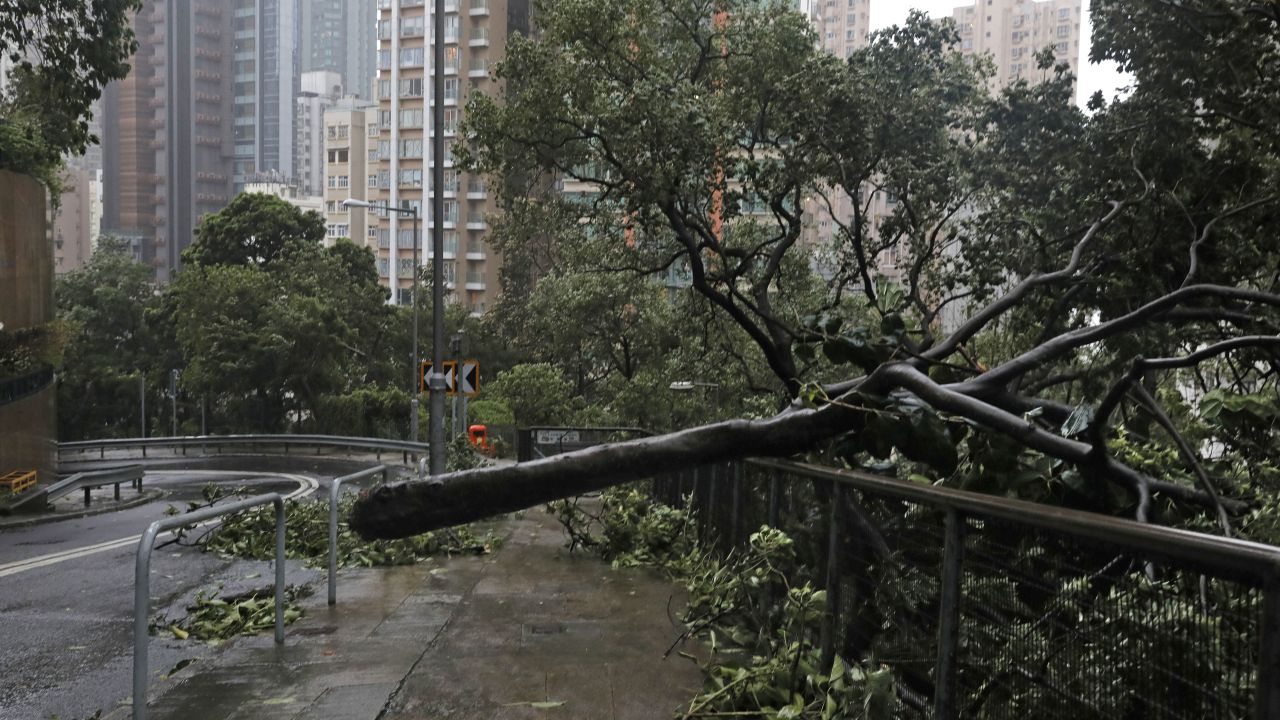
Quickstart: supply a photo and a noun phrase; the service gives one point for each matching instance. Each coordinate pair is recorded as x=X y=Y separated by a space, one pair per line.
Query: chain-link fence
x=985 y=607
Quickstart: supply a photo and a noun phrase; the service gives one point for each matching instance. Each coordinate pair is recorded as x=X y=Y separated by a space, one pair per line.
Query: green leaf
x=1078 y=421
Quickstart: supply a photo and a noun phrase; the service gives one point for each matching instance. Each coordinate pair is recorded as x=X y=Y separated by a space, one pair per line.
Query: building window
x=411 y=118
x=338 y=155
x=411 y=87
x=412 y=26
x=384 y=59
x=339 y=230
x=411 y=57
x=450 y=118
x=373 y=180
x=411 y=178
x=410 y=148
x=1064 y=31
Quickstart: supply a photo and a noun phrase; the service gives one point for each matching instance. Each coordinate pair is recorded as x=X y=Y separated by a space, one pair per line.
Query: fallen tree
x=1116 y=268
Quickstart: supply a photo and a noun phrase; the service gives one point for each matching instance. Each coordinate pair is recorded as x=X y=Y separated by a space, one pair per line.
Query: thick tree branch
x=1006 y=302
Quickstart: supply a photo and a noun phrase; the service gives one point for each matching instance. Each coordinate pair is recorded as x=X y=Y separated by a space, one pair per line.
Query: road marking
x=306 y=486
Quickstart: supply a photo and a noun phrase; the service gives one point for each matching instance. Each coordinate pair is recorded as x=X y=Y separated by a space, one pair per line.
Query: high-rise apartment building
x=1013 y=31
x=266 y=77
x=351 y=171
x=843 y=25
x=167 y=131
x=321 y=90
x=475 y=37
x=78 y=218
x=338 y=36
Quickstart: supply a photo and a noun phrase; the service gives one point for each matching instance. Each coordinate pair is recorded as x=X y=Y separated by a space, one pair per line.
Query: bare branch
x=1188 y=454
x=975 y=324
x=1194 y=265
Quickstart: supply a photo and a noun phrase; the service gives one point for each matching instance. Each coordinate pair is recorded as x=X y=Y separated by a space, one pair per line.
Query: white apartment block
x=475 y=37
x=351 y=172
x=843 y=26
x=1013 y=31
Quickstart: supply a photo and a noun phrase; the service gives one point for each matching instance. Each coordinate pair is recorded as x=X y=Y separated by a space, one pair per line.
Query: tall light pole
x=437 y=449
x=437 y=248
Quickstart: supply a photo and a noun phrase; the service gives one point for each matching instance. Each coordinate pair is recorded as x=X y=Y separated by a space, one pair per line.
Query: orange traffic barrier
x=18 y=480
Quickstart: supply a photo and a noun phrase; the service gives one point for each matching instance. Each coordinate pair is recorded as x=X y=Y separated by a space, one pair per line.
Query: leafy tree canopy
x=64 y=52
x=254 y=229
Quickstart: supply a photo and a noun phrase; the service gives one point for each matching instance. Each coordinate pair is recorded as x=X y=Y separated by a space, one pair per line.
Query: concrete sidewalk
x=527 y=632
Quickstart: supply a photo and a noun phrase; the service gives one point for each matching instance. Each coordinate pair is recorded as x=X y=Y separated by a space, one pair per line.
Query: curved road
x=66 y=597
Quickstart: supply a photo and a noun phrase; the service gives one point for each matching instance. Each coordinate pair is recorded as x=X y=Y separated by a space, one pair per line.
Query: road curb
x=142 y=499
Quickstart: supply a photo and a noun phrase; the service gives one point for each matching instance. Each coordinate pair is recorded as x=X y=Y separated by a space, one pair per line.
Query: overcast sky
x=1092 y=77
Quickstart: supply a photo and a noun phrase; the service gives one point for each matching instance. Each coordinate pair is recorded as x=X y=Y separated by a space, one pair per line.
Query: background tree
x=63 y=53
x=105 y=305
x=279 y=332
x=254 y=229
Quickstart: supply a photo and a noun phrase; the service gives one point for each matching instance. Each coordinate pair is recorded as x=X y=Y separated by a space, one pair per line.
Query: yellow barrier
x=18 y=480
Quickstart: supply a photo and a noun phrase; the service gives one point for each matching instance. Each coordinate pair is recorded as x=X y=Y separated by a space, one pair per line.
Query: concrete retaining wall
x=28 y=427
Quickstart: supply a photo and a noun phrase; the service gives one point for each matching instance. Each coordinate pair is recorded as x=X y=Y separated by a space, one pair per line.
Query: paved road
x=66 y=598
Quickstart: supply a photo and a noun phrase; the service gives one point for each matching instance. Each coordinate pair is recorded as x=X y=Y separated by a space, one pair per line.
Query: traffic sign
x=469 y=378
x=450 y=376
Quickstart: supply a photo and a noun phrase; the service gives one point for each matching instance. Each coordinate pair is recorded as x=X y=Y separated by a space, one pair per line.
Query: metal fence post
x=944 y=698
x=775 y=501
x=335 y=488
x=735 y=508
x=830 y=621
x=1267 y=697
x=142 y=582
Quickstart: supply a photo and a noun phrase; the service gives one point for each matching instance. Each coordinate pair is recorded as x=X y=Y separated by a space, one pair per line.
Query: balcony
x=476 y=252
x=479 y=37
x=477 y=223
x=477 y=192
x=479 y=8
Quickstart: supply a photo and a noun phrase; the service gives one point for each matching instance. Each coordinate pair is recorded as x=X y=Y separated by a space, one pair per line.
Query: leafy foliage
x=251 y=534
x=63 y=53
x=628 y=529
x=760 y=631
x=214 y=617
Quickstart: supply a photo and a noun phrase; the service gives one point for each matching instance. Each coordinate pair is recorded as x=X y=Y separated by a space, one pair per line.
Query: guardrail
x=984 y=606
x=142 y=582
x=260 y=443
x=86 y=481
x=334 y=490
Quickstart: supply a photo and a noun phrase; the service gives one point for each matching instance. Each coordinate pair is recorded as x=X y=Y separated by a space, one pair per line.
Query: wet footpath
x=529 y=631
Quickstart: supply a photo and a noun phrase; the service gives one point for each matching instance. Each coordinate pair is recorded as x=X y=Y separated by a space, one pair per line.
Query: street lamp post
x=685 y=386
x=437 y=247
x=435 y=381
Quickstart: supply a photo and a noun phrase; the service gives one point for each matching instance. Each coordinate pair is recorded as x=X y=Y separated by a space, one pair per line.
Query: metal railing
x=259 y=443
x=86 y=481
x=334 y=491
x=142 y=581
x=984 y=606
